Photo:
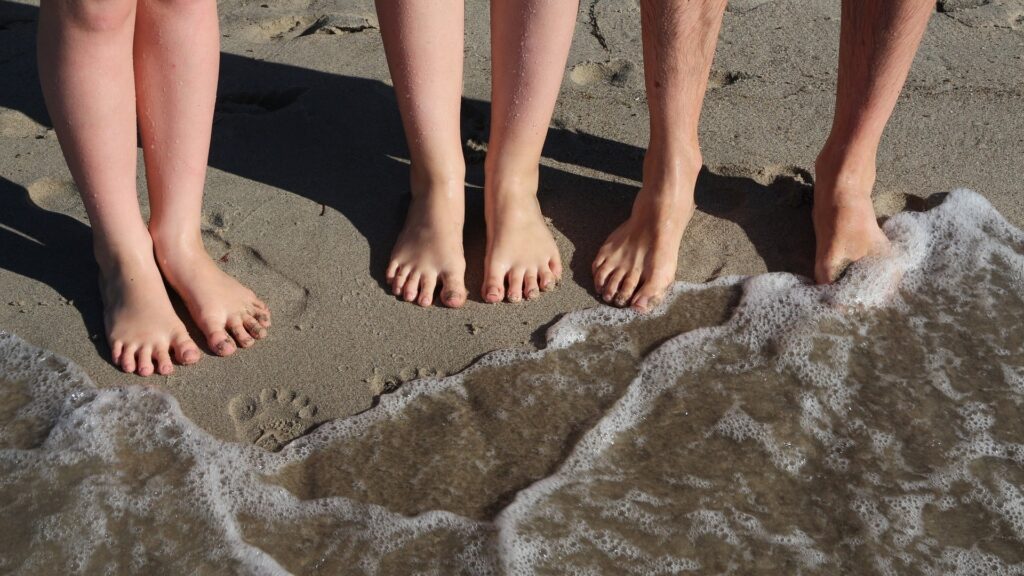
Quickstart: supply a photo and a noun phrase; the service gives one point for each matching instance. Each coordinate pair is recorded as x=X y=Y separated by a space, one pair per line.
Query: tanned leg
x=530 y=42
x=423 y=42
x=85 y=61
x=637 y=263
x=876 y=48
x=177 y=52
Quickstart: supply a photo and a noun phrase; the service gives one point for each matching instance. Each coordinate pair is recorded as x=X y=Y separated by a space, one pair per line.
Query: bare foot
x=845 y=227
x=429 y=249
x=522 y=258
x=637 y=262
x=142 y=328
x=229 y=314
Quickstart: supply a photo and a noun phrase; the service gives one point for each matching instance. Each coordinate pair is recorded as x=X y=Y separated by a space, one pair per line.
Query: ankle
x=434 y=179
x=842 y=159
x=175 y=243
x=672 y=167
x=126 y=252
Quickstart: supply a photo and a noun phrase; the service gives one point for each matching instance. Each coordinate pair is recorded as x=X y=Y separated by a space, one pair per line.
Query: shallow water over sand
x=751 y=426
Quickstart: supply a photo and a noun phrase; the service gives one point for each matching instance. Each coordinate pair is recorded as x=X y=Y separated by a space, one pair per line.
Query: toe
x=412 y=287
x=601 y=276
x=237 y=330
x=128 y=358
x=546 y=279
x=531 y=288
x=651 y=293
x=144 y=361
x=263 y=317
x=611 y=286
x=164 y=366
x=627 y=288
x=555 y=265
x=253 y=327
x=185 y=350
x=427 y=285
x=261 y=312
x=454 y=293
x=115 y=352
x=220 y=343
x=515 y=284
x=391 y=271
x=494 y=287
x=398 y=284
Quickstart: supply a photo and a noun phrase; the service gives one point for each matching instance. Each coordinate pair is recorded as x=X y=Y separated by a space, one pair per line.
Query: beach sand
x=308 y=174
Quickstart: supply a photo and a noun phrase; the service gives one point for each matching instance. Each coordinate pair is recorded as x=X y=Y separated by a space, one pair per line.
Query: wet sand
x=307 y=183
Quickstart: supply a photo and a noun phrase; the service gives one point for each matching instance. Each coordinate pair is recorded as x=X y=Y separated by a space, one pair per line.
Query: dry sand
x=308 y=177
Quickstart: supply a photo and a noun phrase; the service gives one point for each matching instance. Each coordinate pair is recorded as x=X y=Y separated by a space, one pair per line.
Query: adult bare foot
x=229 y=314
x=522 y=258
x=637 y=262
x=429 y=252
x=142 y=328
x=845 y=227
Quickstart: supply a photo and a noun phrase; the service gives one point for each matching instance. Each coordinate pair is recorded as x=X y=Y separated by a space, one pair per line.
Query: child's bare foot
x=845 y=226
x=229 y=314
x=428 y=252
x=143 y=330
x=637 y=262
x=522 y=258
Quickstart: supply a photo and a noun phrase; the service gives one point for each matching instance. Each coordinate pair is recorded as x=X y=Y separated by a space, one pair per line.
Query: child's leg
x=530 y=42
x=176 y=59
x=877 y=45
x=85 y=61
x=423 y=42
x=638 y=261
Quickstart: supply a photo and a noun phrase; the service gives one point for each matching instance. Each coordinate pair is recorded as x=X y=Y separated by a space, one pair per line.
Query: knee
x=98 y=15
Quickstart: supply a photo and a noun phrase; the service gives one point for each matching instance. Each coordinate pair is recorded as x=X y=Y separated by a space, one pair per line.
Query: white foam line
x=635 y=404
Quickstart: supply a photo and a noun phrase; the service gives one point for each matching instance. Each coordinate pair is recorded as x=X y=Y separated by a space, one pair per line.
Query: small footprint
x=15 y=124
x=615 y=72
x=275 y=418
x=58 y=195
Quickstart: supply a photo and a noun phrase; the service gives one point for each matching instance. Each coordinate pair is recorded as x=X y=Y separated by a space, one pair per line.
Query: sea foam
x=750 y=425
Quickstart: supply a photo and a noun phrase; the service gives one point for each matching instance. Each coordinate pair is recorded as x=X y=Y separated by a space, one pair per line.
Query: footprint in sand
x=57 y=195
x=614 y=72
x=15 y=124
x=274 y=418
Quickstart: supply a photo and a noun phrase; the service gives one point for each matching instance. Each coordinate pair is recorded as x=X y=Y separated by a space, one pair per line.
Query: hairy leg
x=177 y=49
x=423 y=42
x=85 y=61
x=877 y=45
x=638 y=261
x=530 y=42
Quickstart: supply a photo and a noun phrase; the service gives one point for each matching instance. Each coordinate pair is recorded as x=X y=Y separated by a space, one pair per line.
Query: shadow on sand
x=337 y=141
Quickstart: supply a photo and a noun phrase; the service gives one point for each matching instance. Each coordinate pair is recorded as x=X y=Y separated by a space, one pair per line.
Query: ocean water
x=756 y=425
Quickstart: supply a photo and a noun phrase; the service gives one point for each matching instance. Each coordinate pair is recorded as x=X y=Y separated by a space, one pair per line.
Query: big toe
x=453 y=292
x=494 y=287
x=651 y=293
x=185 y=350
x=220 y=343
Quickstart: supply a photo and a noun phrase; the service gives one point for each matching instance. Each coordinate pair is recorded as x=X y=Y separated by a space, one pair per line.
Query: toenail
x=533 y=293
